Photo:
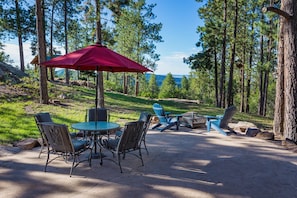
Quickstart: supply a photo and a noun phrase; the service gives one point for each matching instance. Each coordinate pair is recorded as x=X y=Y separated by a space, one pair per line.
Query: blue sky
x=180 y=21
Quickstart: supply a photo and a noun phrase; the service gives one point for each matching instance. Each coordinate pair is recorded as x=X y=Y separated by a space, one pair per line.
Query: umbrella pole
x=96 y=98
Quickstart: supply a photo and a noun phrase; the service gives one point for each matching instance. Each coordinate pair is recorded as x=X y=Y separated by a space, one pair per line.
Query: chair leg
x=168 y=126
x=90 y=157
x=157 y=125
x=177 y=125
x=71 y=169
x=101 y=156
x=215 y=127
x=47 y=161
x=140 y=156
x=119 y=162
x=208 y=125
x=41 y=149
x=145 y=146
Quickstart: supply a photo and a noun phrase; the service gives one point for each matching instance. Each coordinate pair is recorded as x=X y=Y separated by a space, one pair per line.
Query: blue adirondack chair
x=165 y=119
x=220 y=122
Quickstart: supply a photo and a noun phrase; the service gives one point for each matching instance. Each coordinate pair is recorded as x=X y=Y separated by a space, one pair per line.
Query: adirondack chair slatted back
x=160 y=113
x=228 y=114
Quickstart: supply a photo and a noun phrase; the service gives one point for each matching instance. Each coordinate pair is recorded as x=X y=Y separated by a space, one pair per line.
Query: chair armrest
x=210 y=117
x=167 y=113
x=220 y=116
x=217 y=117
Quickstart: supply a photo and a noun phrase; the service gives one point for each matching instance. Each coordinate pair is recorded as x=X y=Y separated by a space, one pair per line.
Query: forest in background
x=236 y=64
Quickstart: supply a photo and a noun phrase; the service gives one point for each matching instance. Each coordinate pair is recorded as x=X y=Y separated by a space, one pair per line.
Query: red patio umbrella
x=96 y=57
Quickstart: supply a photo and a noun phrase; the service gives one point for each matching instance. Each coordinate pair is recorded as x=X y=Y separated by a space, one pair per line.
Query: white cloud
x=13 y=51
x=173 y=63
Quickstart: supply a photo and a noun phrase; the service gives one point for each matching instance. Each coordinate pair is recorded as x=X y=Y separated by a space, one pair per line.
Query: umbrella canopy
x=96 y=57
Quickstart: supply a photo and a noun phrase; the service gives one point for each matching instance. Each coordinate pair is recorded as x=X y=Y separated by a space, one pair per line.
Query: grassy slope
x=17 y=121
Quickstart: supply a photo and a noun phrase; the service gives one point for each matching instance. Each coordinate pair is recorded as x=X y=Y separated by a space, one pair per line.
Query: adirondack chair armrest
x=167 y=113
x=210 y=117
x=219 y=116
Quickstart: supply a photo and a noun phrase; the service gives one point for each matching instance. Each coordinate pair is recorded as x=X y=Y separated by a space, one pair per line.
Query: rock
x=27 y=144
x=252 y=132
x=63 y=96
x=241 y=126
x=155 y=120
x=10 y=73
x=265 y=135
x=75 y=83
x=40 y=141
x=56 y=102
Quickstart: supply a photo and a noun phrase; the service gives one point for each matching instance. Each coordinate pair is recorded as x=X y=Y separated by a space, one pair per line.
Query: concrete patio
x=184 y=163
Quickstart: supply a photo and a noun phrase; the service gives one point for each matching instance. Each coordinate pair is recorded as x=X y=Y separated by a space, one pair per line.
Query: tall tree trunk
x=216 y=76
x=100 y=85
x=51 y=40
x=242 y=98
x=136 y=84
x=67 y=76
x=230 y=83
x=241 y=65
x=19 y=33
x=260 y=104
x=287 y=62
x=266 y=73
x=223 y=66
x=279 y=107
x=248 y=83
x=125 y=84
x=290 y=69
x=265 y=92
x=41 y=51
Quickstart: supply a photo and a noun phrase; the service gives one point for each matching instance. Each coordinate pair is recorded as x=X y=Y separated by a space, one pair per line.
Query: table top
x=95 y=126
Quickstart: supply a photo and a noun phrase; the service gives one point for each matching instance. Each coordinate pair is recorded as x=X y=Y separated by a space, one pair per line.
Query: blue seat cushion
x=79 y=144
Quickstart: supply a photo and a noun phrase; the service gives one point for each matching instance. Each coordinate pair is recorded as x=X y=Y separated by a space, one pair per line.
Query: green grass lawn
x=17 y=113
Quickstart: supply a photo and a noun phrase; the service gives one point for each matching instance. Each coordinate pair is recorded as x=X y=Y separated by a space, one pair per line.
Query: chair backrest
x=42 y=118
x=160 y=113
x=146 y=118
x=101 y=114
x=131 y=136
x=158 y=109
x=227 y=117
x=58 y=137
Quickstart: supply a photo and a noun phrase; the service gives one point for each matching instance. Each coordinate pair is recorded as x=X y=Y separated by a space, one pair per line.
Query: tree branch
x=277 y=11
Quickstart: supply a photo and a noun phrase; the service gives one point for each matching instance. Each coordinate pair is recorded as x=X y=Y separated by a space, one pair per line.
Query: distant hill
x=160 y=78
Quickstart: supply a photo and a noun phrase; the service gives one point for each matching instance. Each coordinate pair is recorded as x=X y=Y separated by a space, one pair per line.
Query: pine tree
x=168 y=88
x=184 y=90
